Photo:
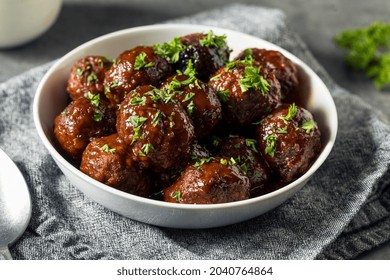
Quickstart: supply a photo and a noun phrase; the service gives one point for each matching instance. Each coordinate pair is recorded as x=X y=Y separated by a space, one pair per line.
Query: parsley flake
x=176 y=195
x=97 y=116
x=251 y=144
x=308 y=126
x=92 y=77
x=199 y=163
x=156 y=118
x=138 y=100
x=106 y=148
x=224 y=95
x=146 y=149
x=137 y=122
x=79 y=71
x=140 y=62
x=212 y=40
x=170 y=50
x=292 y=110
x=271 y=141
x=93 y=98
x=282 y=130
x=253 y=79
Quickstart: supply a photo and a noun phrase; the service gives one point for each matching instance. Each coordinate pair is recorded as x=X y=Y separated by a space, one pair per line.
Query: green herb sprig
x=170 y=50
x=140 y=62
x=368 y=50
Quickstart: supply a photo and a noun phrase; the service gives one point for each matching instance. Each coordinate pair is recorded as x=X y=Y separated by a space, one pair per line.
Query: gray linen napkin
x=340 y=213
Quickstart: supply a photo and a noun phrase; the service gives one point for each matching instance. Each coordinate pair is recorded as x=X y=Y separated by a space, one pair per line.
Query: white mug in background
x=24 y=20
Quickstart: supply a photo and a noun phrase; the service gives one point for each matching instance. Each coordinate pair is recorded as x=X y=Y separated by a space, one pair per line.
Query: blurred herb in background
x=368 y=50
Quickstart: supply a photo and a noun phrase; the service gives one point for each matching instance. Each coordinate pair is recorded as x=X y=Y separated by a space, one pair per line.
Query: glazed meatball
x=290 y=140
x=165 y=179
x=87 y=75
x=247 y=91
x=283 y=68
x=209 y=181
x=81 y=121
x=245 y=153
x=198 y=99
x=157 y=129
x=138 y=66
x=107 y=160
x=208 y=52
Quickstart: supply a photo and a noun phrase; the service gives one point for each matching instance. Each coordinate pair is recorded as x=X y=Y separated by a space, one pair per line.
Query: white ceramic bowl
x=51 y=99
x=23 y=21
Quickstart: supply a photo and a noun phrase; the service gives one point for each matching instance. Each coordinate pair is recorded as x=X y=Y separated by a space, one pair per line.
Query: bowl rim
x=58 y=157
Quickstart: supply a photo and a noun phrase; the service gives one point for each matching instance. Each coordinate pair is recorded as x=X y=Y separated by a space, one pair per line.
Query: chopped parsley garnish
x=106 y=148
x=292 y=110
x=114 y=83
x=188 y=96
x=79 y=71
x=212 y=40
x=216 y=140
x=171 y=121
x=230 y=65
x=190 y=108
x=137 y=122
x=171 y=50
x=216 y=77
x=368 y=50
x=97 y=116
x=253 y=79
x=92 y=77
x=282 y=130
x=232 y=161
x=146 y=149
x=190 y=69
x=308 y=126
x=156 y=118
x=199 y=163
x=138 y=100
x=93 y=98
x=271 y=141
x=140 y=62
x=176 y=195
x=251 y=144
x=248 y=52
x=224 y=95
x=225 y=161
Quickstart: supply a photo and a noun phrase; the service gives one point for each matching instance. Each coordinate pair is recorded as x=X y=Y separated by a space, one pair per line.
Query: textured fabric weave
x=342 y=211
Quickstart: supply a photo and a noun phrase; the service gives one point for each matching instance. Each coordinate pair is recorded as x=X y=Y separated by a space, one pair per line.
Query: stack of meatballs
x=180 y=122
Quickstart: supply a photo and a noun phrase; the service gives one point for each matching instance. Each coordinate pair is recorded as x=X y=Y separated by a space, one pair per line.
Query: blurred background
x=316 y=22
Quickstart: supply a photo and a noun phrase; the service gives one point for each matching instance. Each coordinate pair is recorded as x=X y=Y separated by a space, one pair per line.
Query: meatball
x=87 y=75
x=283 y=68
x=247 y=91
x=157 y=129
x=138 y=66
x=198 y=99
x=209 y=181
x=107 y=160
x=81 y=121
x=165 y=179
x=290 y=140
x=208 y=52
x=245 y=153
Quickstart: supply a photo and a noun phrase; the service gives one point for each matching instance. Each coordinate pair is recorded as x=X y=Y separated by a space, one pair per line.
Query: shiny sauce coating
x=214 y=131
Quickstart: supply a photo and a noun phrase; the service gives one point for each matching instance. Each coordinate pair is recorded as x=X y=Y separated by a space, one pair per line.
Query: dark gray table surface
x=315 y=21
